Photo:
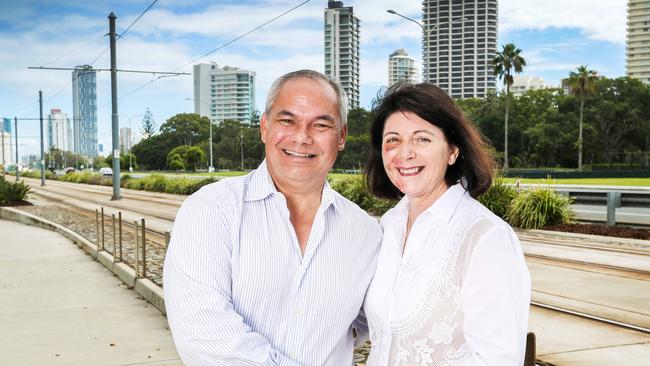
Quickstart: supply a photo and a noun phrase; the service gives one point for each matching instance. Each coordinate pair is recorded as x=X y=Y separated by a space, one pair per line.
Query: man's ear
x=342 y=135
x=263 y=128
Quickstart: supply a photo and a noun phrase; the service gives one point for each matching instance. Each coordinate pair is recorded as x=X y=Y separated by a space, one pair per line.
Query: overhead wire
x=216 y=49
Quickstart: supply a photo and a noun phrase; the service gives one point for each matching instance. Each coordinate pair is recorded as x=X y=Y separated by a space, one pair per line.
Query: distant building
x=461 y=44
x=522 y=84
x=6 y=124
x=126 y=139
x=84 y=103
x=342 y=49
x=6 y=151
x=30 y=160
x=637 y=63
x=401 y=68
x=222 y=93
x=59 y=131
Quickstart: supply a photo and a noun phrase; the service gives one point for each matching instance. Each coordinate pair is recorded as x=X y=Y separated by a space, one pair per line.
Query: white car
x=106 y=172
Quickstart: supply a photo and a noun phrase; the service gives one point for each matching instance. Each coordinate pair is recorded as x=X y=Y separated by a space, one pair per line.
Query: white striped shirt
x=238 y=291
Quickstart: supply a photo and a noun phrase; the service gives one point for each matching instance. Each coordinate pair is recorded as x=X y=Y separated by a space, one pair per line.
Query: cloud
x=597 y=20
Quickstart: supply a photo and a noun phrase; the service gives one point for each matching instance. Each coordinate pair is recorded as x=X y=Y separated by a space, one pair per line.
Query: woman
x=452 y=286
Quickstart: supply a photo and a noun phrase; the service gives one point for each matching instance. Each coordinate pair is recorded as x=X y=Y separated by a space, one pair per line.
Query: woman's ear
x=453 y=155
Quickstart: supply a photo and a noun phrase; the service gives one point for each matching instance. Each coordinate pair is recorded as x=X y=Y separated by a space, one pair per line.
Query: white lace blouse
x=459 y=294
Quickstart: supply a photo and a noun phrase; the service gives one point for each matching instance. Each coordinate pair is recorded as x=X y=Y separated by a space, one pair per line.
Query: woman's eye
x=390 y=140
x=423 y=139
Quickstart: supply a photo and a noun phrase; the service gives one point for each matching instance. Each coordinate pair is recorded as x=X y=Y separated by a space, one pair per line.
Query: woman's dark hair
x=474 y=162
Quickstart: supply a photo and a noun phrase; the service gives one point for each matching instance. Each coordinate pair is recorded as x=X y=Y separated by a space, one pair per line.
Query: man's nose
x=302 y=134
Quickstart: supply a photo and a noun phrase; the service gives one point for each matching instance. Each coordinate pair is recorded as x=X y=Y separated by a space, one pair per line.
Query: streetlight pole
x=427 y=32
x=211 y=167
x=2 y=134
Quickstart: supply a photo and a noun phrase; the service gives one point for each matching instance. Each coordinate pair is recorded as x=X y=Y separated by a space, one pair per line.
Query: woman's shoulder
x=475 y=214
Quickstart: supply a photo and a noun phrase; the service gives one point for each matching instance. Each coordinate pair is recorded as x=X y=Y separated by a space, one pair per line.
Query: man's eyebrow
x=326 y=117
x=285 y=112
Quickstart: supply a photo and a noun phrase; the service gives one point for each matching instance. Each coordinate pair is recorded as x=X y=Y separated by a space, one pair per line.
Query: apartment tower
x=59 y=131
x=84 y=107
x=401 y=68
x=222 y=93
x=638 y=40
x=342 y=49
x=459 y=43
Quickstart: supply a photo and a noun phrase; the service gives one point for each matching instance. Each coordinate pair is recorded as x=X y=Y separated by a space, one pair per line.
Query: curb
x=144 y=287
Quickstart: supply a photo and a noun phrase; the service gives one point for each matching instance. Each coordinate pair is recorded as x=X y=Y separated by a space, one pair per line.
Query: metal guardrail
x=140 y=255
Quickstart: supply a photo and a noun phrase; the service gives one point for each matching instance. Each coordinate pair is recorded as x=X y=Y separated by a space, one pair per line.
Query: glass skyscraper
x=84 y=104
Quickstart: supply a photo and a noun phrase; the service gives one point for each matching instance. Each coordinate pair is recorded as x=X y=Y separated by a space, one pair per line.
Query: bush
x=498 y=197
x=354 y=188
x=12 y=193
x=154 y=183
x=539 y=207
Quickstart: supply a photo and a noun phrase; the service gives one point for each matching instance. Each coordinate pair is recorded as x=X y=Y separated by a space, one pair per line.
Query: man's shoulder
x=353 y=210
x=225 y=192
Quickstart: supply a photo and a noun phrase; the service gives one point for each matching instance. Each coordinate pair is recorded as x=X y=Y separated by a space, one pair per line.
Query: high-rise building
x=342 y=49
x=126 y=139
x=522 y=84
x=459 y=43
x=6 y=124
x=638 y=40
x=59 y=132
x=6 y=148
x=84 y=104
x=401 y=68
x=222 y=93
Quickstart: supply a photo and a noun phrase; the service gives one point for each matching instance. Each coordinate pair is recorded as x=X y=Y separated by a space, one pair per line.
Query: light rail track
x=591 y=317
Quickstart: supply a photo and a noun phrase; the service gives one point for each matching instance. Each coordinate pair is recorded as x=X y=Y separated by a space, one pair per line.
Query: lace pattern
x=431 y=332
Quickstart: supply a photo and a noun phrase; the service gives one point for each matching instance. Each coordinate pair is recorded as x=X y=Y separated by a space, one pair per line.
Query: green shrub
x=498 y=197
x=354 y=188
x=155 y=183
x=12 y=193
x=539 y=207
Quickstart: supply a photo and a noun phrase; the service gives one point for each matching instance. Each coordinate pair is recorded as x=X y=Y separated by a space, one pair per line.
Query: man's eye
x=322 y=126
x=285 y=121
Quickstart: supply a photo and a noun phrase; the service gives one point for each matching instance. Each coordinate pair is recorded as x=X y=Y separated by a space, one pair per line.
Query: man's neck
x=303 y=203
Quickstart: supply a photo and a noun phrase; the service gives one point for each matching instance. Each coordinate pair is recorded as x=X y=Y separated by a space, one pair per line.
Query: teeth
x=293 y=153
x=409 y=171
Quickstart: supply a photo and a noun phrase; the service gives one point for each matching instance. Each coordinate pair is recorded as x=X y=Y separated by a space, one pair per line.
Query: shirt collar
x=443 y=208
x=261 y=186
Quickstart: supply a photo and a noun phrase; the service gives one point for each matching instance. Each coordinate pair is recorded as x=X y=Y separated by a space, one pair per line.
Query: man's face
x=302 y=133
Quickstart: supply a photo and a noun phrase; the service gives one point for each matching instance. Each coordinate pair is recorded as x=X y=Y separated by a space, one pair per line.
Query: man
x=271 y=268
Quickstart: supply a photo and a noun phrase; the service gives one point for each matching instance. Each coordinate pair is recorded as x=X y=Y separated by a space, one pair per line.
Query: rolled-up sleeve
x=496 y=300
x=197 y=289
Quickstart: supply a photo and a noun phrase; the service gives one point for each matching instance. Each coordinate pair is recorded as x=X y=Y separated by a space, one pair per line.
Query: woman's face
x=416 y=155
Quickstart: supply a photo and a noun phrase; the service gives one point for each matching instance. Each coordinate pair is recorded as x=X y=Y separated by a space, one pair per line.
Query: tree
x=504 y=63
x=148 y=125
x=186 y=128
x=191 y=157
x=581 y=82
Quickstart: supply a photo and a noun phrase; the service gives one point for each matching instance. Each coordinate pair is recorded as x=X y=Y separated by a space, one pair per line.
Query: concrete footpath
x=59 y=307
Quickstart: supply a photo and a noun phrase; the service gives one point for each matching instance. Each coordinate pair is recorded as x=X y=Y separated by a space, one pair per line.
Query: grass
x=644 y=182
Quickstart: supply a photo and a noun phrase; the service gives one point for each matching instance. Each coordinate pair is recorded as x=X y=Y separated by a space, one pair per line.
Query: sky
x=555 y=36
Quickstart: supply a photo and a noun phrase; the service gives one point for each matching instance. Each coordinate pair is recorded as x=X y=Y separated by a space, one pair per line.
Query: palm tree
x=582 y=84
x=504 y=63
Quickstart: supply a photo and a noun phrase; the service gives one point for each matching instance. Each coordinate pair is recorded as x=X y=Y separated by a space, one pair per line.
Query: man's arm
x=197 y=288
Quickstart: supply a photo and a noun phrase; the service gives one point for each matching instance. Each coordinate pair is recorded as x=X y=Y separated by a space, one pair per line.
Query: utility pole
x=40 y=106
x=114 y=116
x=16 y=138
